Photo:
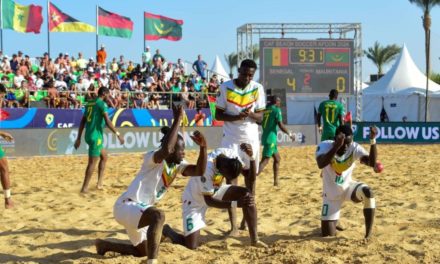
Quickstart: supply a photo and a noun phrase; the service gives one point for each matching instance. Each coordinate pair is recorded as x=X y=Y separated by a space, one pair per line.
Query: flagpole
x=48 y=28
x=96 y=28
x=1 y=25
x=143 y=37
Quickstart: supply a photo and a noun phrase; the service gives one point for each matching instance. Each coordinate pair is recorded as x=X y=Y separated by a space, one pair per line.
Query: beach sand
x=53 y=223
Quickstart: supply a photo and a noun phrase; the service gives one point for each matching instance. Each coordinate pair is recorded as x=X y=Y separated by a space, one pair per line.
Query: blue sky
x=210 y=27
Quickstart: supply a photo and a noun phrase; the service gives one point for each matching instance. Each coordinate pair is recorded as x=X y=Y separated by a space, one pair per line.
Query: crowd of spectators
x=69 y=82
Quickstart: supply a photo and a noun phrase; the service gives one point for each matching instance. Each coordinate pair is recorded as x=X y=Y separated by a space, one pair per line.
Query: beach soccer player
x=94 y=120
x=135 y=209
x=208 y=191
x=240 y=105
x=332 y=113
x=272 y=119
x=337 y=159
x=4 y=172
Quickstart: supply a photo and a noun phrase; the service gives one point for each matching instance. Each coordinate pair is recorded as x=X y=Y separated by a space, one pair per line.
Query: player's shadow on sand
x=70 y=231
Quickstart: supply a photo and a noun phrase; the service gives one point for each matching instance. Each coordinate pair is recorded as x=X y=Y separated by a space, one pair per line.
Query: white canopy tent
x=217 y=68
x=402 y=90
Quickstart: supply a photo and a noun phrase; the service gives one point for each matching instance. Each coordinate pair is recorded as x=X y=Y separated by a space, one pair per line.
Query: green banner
x=399 y=132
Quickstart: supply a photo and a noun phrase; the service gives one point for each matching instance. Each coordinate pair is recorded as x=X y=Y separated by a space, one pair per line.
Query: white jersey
x=336 y=176
x=210 y=182
x=234 y=100
x=153 y=180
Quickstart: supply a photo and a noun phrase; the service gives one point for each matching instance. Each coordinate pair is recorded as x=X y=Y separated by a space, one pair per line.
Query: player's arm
x=250 y=174
x=284 y=128
x=171 y=138
x=371 y=159
x=220 y=115
x=109 y=124
x=80 y=131
x=318 y=119
x=211 y=202
x=325 y=159
x=341 y=119
x=257 y=116
x=199 y=168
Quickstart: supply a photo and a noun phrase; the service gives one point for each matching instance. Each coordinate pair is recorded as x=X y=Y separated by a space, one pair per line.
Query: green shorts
x=2 y=153
x=269 y=150
x=327 y=136
x=95 y=146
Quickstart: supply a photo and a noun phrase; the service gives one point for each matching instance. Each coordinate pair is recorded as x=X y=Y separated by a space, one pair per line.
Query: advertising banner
x=399 y=132
x=15 y=118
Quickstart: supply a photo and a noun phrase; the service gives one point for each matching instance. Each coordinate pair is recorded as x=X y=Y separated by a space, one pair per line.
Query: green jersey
x=330 y=111
x=95 y=122
x=272 y=115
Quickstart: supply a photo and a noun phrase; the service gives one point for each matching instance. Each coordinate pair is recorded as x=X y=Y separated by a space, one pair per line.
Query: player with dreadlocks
x=208 y=191
x=135 y=208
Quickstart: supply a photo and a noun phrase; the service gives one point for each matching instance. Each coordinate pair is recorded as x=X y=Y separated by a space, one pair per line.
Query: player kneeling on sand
x=208 y=191
x=135 y=208
x=337 y=161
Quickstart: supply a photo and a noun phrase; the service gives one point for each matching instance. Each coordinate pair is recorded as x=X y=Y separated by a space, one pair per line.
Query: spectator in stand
x=213 y=85
x=180 y=66
x=19 y=56
x=101 y=55
x=158 y=58
x=199 y=118
x=114 y=65
x=200 y=66
x=121 y=63
x=14 y=63
x=103 y=80
x=130 y=66
x=38 y=81
x=5 y=65
x=18 y=79
x=168 y=71
x=81 y=62
x=82 y=85
x=125 y=85
x=146 y=55
x=175 y=89
x=53 y=97
x=22 y=95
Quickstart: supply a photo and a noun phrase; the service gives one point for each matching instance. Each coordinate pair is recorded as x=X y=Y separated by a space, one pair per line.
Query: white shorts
x=331 y=208
x=128 y=213
x=193 y=214
x=233 y=144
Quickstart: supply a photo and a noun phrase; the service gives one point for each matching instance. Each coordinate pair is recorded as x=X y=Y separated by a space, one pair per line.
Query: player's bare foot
x=259 y=244
x=275 y=183
x=84 y=190
x=100 y=247
x=8 y=203
x=100 y=186
x=232 y=233
x=340 y=227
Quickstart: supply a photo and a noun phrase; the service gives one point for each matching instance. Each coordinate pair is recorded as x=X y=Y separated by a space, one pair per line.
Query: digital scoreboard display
x=307 y=66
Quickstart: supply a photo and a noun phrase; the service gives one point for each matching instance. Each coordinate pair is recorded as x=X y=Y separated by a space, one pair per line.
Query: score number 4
x=340 y=83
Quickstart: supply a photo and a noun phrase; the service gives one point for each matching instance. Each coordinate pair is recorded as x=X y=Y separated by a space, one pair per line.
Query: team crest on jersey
x=169 y=173
x=241 y=99
x=217 y=180
x=339 y=166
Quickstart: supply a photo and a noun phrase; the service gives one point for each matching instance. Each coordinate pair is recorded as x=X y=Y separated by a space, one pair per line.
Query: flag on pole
x=21 y=18
x=61 y=22
x=114 y=25
x=161 y=27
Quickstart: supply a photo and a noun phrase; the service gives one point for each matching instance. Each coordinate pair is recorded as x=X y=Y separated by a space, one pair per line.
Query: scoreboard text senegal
x=307 y=66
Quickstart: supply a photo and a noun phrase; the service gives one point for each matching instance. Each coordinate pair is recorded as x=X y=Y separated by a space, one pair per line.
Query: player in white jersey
x=208 y=191
x=337 y=161
x=240 y=105
x=135 y=209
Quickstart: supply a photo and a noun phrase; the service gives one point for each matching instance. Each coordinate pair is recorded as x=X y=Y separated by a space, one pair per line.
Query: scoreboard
x=307 y=66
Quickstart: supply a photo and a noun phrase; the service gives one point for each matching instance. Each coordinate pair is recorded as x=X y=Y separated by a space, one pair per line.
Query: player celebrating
x=135 y=208
x=240 y=105
x=271 y=121
x=93 y=119
x=208 y=191
x=332 y=113
x=4 y=172
x=337 y=161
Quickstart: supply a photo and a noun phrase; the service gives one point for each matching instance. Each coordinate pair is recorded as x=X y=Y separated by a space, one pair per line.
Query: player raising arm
x=337 y=161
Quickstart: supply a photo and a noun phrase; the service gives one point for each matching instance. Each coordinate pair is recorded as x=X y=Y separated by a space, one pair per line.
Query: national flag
x=114 y=25
x=61 y=22
x=161 y=27
x=337 y=57
x=276 y=56
x=21 y=18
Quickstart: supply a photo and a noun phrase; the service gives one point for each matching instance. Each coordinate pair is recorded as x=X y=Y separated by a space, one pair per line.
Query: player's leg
x=363 y=193
x=267 y=153
x=6 y=184
x=95 y=147
x=190 y=241
x=101 y=169
x=276 y=166
x=103 y=246
x=237 y=193
x=330 y=216
x=89 y=171
x=154 y=219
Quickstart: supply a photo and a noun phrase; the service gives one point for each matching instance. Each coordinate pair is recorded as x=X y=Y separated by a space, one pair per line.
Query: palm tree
x=382 y=55
x=426 y=6
x=231 y=60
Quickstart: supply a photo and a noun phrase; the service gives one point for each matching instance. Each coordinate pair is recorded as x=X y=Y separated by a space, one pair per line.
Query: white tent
x=402 y=90
x=217 y=68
